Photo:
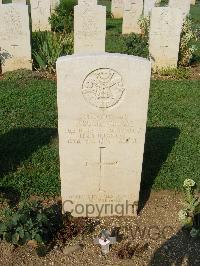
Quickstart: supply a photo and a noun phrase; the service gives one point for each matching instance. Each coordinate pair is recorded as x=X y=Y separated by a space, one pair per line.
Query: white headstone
x=54 y=4
x=183 y=5
x=132 y=11
x=15 y=48
x=193 y=2
x=89 y=28
x=117 y=8
x=165 y=29
x=102 y=113
x=148 y=5
x=40 y=13
x=19 y=2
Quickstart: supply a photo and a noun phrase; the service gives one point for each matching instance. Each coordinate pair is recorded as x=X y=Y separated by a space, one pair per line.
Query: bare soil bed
x=154 y=237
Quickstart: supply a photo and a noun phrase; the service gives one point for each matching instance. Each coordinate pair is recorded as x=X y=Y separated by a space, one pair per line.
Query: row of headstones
x=15 y=46
x=165 y=27
x=121 y=8
x=132 y=10
x=89 y=33
x=41 y=10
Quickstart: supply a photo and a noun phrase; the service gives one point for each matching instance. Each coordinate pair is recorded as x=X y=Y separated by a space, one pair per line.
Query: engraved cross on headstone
x=101 y=163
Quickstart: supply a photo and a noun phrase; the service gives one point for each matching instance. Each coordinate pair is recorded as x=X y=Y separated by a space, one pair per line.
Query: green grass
x=114 y=39
x=29 y=162
x=174 y=116
x=29 y=156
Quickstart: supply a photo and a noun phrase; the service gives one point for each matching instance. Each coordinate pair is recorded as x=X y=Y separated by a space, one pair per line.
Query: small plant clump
x=173 y=73
x=144 y=23
x=29 y=222
x=109 y=14
x=190 y=214
x=187 y=47
x=48 y=47
x=163 y=2
x=62 y=19
x=136 y=45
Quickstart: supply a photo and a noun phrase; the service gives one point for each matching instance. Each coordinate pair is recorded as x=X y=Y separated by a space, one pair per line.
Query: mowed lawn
x=29 y=162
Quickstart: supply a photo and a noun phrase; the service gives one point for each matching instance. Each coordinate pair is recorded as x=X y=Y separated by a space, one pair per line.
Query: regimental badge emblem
x=103 y=88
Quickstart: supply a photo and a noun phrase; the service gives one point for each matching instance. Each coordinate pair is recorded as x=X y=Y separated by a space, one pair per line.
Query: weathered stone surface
x=117 y=8
x=89 y=28
x=40 y=13
x=15 y=48
x=148 y=5
x=102 y=113
x=132 y=11
x=165 y=29
x=184 y=6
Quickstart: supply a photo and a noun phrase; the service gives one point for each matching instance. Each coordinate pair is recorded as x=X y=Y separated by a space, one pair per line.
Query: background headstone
x=87 y=2
x=40 y=13
x=15 y=48
x=165 y=29
x=19 y=2
x=132 y=11
x=148 y=5
x=54 y=4
x=89 y=28
x=183 y=5
x=117 y=8
x=193 y=2
x=102 y=113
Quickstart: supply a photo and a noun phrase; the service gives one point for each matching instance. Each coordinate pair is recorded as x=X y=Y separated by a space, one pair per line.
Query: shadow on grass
x=159 y=143
x=12 y=195
x=180 y=249
x=15 y=147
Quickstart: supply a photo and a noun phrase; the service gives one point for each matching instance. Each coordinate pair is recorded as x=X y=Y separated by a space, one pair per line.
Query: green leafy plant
x=62 y=19
x=187 y=47
x=109 y=14
x=163 y=2
x=31 y=221
x=144 y=23
x=136 y=45
x=189 y=215
x=48 y=46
